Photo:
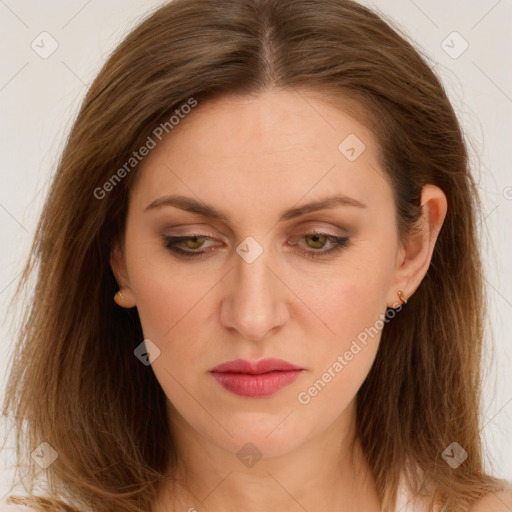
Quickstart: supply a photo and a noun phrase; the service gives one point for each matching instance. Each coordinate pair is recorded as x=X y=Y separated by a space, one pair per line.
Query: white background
x=40 y=97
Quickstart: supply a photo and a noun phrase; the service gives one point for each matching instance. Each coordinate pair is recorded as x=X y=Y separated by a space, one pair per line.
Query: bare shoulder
x=4 y=507
x=496 y=502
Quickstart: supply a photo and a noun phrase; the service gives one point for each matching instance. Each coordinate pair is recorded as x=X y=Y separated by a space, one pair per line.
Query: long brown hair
x=75 y=383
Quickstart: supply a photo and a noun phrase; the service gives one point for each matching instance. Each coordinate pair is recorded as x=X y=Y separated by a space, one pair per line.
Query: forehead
x=275 y=120
x=274 y=147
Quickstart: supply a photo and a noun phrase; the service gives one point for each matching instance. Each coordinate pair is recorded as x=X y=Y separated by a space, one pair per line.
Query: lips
x=255 y=367
x=256 y=378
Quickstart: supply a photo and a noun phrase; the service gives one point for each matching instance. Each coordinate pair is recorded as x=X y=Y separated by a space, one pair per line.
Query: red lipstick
x=255 y=378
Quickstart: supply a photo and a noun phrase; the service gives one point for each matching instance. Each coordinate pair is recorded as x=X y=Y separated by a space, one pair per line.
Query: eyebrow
x=193 y=206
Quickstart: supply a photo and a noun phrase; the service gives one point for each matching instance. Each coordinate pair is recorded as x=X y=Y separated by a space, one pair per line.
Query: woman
x=259 y=281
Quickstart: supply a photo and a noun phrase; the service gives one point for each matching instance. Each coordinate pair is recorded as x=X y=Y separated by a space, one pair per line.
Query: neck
x=327 y=472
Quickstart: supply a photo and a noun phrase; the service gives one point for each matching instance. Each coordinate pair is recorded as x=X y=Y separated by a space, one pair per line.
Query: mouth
x=256 y=378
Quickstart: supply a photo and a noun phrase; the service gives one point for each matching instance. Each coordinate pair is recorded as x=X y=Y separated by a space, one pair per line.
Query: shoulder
x=4 y=507
x=496 y=502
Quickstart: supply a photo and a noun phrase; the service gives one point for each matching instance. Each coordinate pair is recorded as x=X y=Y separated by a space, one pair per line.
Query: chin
x=270 y=437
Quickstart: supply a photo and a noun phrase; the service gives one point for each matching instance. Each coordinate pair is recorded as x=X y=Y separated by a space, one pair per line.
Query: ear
x=416 y=251
x=125 y=297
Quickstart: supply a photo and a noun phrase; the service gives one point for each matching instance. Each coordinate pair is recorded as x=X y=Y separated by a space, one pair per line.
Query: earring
x=118 y=298
x=401 y=297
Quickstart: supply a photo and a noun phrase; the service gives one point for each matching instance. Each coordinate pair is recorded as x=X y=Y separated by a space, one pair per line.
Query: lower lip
x=263 y=384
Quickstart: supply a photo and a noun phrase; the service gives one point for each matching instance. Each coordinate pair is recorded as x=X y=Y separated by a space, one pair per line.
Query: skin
x=253 y=157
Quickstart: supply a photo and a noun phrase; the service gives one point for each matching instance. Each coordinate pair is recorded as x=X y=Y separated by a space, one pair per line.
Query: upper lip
x=255 y=367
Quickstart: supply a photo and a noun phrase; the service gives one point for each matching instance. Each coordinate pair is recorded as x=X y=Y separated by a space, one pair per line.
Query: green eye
x=196 y=242
x=318 y=240
x=315 y=241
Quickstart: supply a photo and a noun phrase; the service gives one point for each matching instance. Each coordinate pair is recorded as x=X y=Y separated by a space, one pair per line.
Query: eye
x=318 y=240
x=315 y=241
x=192 y=242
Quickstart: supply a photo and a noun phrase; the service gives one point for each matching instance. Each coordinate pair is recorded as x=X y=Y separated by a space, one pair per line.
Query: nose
x=255 y=304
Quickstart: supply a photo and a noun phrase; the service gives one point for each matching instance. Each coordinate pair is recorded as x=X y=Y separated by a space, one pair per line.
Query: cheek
x=342 y=361
x=168 y=295
x=352 y=306
x=156 y=305
x=351 y=298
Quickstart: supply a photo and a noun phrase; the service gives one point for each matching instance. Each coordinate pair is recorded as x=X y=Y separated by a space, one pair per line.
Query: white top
x=405 y=503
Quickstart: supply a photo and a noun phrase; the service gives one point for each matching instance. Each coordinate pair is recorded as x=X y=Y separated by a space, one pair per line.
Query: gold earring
x=118 y=298
x=401 y=297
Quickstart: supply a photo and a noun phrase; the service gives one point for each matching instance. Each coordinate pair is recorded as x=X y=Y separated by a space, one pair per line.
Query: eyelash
x=338 y=242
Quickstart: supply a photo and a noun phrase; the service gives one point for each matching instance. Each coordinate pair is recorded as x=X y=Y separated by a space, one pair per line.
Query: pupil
x=316 y=239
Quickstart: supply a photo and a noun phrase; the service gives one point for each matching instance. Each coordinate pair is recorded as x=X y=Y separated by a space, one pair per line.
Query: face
x=271 y=276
